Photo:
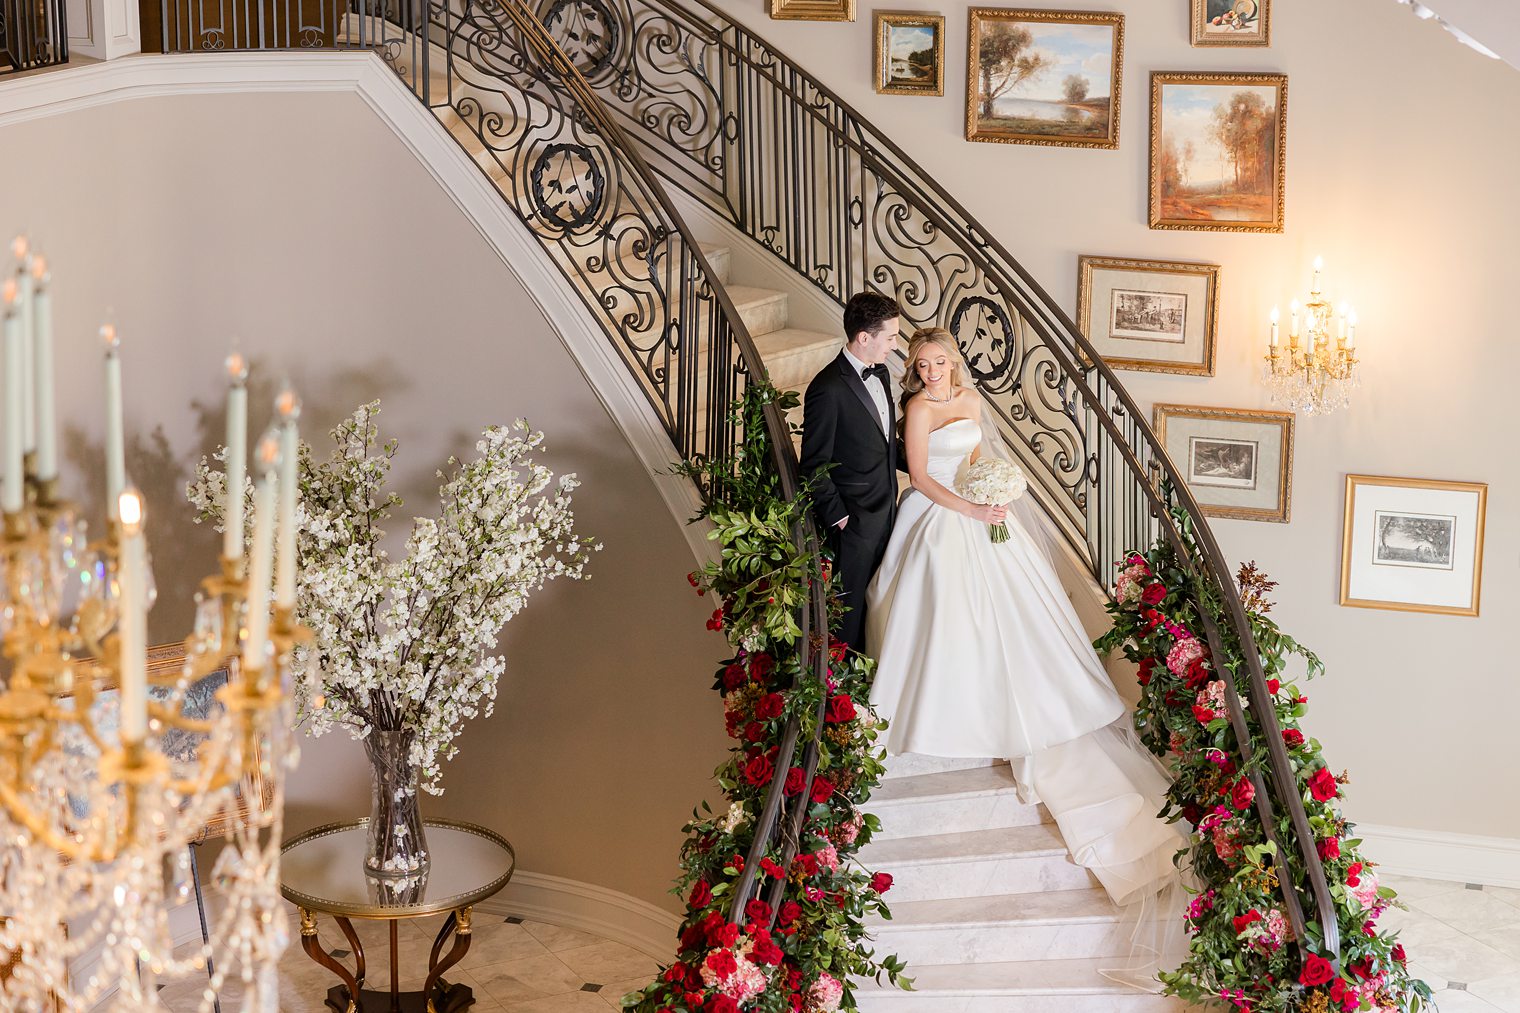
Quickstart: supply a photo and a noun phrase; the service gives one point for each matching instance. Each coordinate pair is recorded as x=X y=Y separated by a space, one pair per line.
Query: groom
x=848 y=421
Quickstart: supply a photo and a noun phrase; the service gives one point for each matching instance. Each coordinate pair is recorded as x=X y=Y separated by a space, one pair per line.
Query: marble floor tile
x=570 y=1002
x=1505 y=940
x=1507 y=894
x=1452 y=1001
x=1428 y=976
x=1453 y=954
x=1411 y=888
x=606 y=961
x=614 y=991
x=496 y=941
x=557 y=937
x=1502 y=991
x=1472 y=911
x=527 y=978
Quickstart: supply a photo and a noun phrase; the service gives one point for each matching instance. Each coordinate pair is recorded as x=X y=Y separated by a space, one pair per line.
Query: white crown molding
x=595 y=909
x=1430 y=854
x=70 y=89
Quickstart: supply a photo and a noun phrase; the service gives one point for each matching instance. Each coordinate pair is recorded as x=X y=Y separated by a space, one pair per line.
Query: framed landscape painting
x=812 y=10
x=1413 y=545
x=1236 y=463
x=1232 y=22
x=1218 y=151
x=1152 y=315
x=1044 y=77
x=908 y=53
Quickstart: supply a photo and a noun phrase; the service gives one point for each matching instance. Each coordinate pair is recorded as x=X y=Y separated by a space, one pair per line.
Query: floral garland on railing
x=806 y=963
x=1242 y=950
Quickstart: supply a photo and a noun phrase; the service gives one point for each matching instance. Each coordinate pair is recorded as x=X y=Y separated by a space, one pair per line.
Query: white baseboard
x=1460 y=858
x=589 y=908
x=184 y=927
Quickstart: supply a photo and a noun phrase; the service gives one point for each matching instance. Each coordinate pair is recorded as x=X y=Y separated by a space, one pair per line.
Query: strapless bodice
x=949 y=446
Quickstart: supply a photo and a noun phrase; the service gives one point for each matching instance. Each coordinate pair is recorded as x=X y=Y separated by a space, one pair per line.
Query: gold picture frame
x=1419 y=538
x=1177 y=199
x=1243 y=23
x=1191 y=298
x=812 y=10
x=1237 y=462
x=889 y=78
x=1034 y=114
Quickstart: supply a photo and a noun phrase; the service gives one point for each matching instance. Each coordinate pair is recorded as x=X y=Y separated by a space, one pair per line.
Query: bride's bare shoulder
x=969 y=396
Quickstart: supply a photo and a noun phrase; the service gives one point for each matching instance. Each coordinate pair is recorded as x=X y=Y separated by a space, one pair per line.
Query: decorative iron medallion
x=567 y=185
x=985 y=334
x=586 y=31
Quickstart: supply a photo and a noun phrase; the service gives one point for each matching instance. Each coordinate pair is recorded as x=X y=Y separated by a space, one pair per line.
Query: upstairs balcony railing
x=33 y=34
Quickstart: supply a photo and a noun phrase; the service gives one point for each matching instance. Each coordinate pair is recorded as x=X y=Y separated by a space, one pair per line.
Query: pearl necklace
x=937 y=400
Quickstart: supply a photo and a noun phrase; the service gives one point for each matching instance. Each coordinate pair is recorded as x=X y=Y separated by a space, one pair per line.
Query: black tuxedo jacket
x=840 y=425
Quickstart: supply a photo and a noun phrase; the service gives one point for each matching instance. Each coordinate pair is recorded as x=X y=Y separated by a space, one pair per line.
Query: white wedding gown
x=979 y=653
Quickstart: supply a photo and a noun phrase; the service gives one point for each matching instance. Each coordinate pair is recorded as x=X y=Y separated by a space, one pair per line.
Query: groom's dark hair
x=867 y=311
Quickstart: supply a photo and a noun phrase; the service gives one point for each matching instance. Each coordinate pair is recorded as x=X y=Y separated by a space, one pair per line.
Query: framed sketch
x=908 y=53
x=1232 y=22
x=1218 y=144
x=1413 y=545
x=1236 y=463
x=812 y=10
x=1044 y=77
x=1153 y=315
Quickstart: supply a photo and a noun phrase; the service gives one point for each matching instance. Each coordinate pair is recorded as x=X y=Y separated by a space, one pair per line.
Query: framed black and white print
x=1413 y=545
x=1236 y=463
x=1151 y=315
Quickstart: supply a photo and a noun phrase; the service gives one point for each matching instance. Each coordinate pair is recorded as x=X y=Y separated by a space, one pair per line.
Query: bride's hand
x=988 y=514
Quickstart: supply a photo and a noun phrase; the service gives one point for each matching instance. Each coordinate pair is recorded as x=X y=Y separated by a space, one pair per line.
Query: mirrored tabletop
x=323 y=870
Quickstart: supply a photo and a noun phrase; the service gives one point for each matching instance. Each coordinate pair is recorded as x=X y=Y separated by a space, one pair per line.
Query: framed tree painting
x=812 y=10
x=1232 y=22
x=1152 y=315
x=1236 y=463
x=1413 y=545
x=908 y=53
x=1044 y=77
x=1218 y=144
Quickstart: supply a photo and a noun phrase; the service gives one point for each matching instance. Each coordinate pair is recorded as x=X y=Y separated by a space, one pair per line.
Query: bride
x=979 y=652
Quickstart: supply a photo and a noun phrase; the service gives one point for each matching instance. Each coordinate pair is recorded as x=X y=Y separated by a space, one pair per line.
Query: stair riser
x=721 y=263
x=971 y=944
x=981 y=878
x=955 y=815
x=928 y=1002
x=798 y=367
x=764 y=316
x=912 y=764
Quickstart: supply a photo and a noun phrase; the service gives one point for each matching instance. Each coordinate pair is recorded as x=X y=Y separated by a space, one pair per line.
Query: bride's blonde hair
x=911 y=383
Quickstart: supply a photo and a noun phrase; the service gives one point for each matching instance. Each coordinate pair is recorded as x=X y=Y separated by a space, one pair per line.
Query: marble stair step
x=1007 y=860
x=763 y=310
x=951 y=802
x=913 y=764
x=1053 y=925
x=1025 y=986
x=793 y=356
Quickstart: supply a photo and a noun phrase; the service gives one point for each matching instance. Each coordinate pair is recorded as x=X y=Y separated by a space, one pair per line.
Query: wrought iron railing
x=731 y=121
x=33 y=34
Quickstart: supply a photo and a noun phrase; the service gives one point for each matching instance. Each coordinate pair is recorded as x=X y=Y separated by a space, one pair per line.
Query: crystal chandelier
x=108 y=771
x=1317 y=370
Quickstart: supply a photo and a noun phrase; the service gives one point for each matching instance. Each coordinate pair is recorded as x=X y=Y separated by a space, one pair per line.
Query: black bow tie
x=878 y=370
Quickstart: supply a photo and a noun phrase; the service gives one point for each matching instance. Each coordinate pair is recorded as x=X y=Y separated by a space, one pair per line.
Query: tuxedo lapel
x=857 y=386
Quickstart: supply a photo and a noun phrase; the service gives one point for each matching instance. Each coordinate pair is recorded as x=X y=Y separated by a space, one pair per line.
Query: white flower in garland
x=412 y=643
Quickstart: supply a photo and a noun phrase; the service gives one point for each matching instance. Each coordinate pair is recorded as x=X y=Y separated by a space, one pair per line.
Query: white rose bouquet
x=991 y=481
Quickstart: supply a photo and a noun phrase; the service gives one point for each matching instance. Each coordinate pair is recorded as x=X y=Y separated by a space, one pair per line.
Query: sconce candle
x=132 y=628
x=237 y=455
x=288 y=406
x=116 y=455
x=12 y=493
x=42 y=366
x=261 y=555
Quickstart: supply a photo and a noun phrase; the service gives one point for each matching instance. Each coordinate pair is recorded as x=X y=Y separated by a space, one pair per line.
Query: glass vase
x=397 y=844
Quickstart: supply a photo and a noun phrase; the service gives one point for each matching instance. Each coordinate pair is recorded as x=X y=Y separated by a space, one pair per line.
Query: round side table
x=322 y=872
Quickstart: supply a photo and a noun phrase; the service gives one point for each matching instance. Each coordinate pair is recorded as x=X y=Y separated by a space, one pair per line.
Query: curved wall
x=302 y=225
x=1401 y=164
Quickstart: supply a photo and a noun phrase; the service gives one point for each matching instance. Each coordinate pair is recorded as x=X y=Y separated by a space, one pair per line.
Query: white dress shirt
x=878 y=391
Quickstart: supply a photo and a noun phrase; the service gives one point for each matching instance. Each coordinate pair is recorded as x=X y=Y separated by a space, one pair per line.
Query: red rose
x=1273 y=686
x=1152 y=618
x=1152 y=594
x=757 y=911
x=1398 y=952
x=840 y=709
x=790 y=912
x=823 y=789
x=1344 y=993
x=839 y=901
x=1203 y=714
x=1242 y=922
x=796 y=779
x=772 y=870
x=737 y=864
x=1329 y=847
x=722 y=1004
x=1292 y=738
x=1362 y=968
x=760 y=666
x=701 y=895
x=770 y=706
x=722 y=963
x=759 y=770
x=807 y=863
x=733 y=678
x=716 y=622
x=1242 y=794
x=1316 y=971
x=675 y=974
x=1146 y=668
x=1171 y=698
x=881 y=882
x=1322 y=785
x=724 y=935
x=1197 y=674
x=691 y=578
x=1354 y=874
x=754 y=731
x=795 y=1001
x=1192 y=813
x=693 y=1000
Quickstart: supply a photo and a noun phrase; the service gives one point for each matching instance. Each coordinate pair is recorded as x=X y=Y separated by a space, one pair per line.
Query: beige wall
x=1401 y=165
x=301 y=224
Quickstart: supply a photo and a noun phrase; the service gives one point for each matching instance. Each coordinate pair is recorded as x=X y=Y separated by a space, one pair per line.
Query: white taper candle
x=132 y=624
x=237 y=455
x=116 y=454
x=288 y=407
x=42 y=365
x=13 y=489
x=261 y=554
x=21 y=247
